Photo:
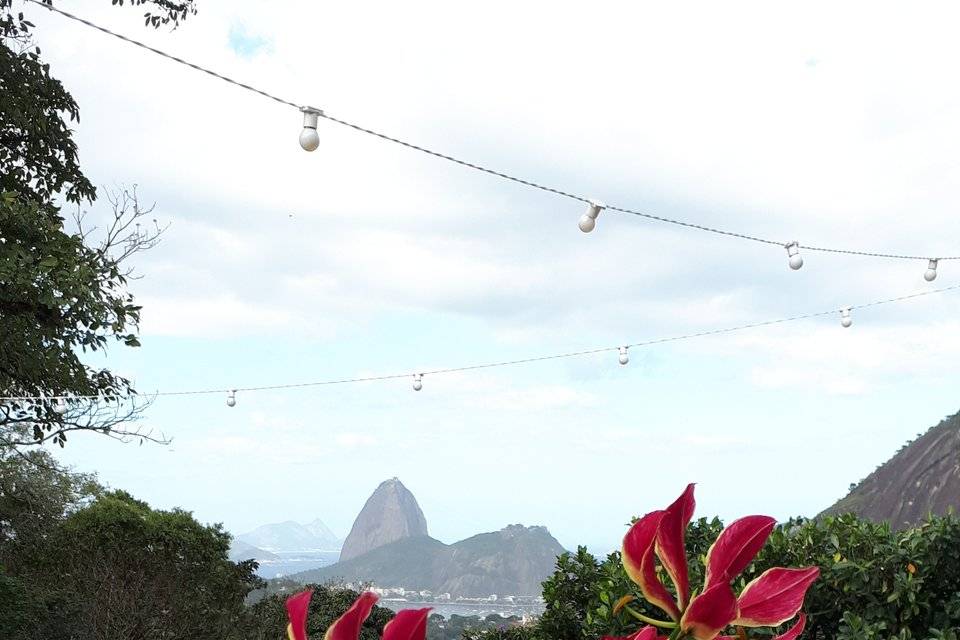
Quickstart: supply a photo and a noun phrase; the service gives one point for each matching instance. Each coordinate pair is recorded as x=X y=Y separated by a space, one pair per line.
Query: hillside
x=923 y=477
x=512 y=561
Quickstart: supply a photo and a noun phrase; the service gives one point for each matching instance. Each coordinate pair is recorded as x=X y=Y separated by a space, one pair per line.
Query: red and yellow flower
x=771 y=599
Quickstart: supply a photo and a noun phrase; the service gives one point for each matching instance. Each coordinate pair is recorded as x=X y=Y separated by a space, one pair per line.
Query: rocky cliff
x=922 y=478
x=389 y=515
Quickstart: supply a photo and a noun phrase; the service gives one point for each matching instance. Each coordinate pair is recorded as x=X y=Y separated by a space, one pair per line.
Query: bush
x=874 y=583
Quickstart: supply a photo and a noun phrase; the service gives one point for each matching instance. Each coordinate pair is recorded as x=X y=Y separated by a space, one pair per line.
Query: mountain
x=292 y=536
x=240 y=550
x=922 y=478
x=391 y=513
x=512 y=561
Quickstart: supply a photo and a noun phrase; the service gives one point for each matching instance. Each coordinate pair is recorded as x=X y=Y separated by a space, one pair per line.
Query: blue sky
x=365 y=258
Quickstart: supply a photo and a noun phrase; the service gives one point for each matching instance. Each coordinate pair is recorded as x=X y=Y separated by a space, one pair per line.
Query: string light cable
x=310 y=141
x=417 y=377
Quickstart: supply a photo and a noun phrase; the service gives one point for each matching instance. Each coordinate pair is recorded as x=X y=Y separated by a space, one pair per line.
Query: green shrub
x=874 y=583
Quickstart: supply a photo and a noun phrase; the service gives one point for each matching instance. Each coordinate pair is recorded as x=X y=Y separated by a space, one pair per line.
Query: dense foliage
x=78 y=562
x=875 y=583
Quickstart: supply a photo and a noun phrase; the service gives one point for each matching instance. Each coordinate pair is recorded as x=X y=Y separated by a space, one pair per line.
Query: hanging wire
x=471 y=165
x=506 y=363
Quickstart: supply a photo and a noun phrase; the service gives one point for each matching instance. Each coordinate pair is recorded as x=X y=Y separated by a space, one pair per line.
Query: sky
x=833 y=125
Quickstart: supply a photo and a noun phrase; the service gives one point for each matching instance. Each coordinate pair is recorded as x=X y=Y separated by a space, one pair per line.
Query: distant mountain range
x=922 y=478
x=240 y=550
x=389 y=546
x=291 y=537
x=512 y=561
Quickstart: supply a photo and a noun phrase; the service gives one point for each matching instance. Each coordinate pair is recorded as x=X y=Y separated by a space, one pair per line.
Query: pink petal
x=409 y=624
x=671 y=543
x=710 y=612
x=647 y=633
x=794 y=631
x=298 y=606
x=347 y=626
x=639 y=562
x=736 y=547
x=774 y=597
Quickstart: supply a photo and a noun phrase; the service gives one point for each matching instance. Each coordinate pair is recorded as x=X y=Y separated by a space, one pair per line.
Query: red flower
x=347 y=626
x=647 y=633
x=769 y=600
x=297 y=608
x=410 y=624
x=774 y=597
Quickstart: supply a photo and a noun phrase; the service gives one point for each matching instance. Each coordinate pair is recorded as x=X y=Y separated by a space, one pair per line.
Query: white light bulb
x=931 y=273
x=588 y=221
x=845 y=319
x=793 y=251
x=417 y=382
x=624 y=358
x=309 y=138
x=232 y=399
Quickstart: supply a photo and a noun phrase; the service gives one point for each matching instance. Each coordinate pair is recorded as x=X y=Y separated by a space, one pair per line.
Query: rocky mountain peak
x=391 y=513
x=922 y=478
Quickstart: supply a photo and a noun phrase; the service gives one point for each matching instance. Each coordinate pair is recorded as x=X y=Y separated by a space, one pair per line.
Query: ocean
x=480 y=609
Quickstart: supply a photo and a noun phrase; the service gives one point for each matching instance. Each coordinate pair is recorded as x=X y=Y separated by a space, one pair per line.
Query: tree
x=62 y=291
x=120 y=569
x=36 y=494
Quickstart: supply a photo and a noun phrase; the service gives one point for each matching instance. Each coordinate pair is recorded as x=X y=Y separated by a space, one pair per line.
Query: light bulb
x=793 y=251
x=845 y=319
x=624 y=358
x=931 y=273
x=588 y=221
x=309 y=138
x=587 y=224
x=60 y=405
x=417 y=382
x=232 y=399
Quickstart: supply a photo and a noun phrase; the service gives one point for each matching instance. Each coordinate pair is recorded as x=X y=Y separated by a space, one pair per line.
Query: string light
x=845 y=319
x=418 y=377
x=499 y=174
x=232 y=398
x=931 y=273
x=793 y=252
x=309 y=138
x=588 y=221
x=624 y=358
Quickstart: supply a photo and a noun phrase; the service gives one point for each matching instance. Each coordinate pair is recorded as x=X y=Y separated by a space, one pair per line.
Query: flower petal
x=647 y=633
x=347 y=626
x=736 y=547
x=710 y=612
x=774 y=597
x=671 y=543
x=639 y=562
x=409 y=624
x=298 y=606
x=795 y=631
x=622 y=602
